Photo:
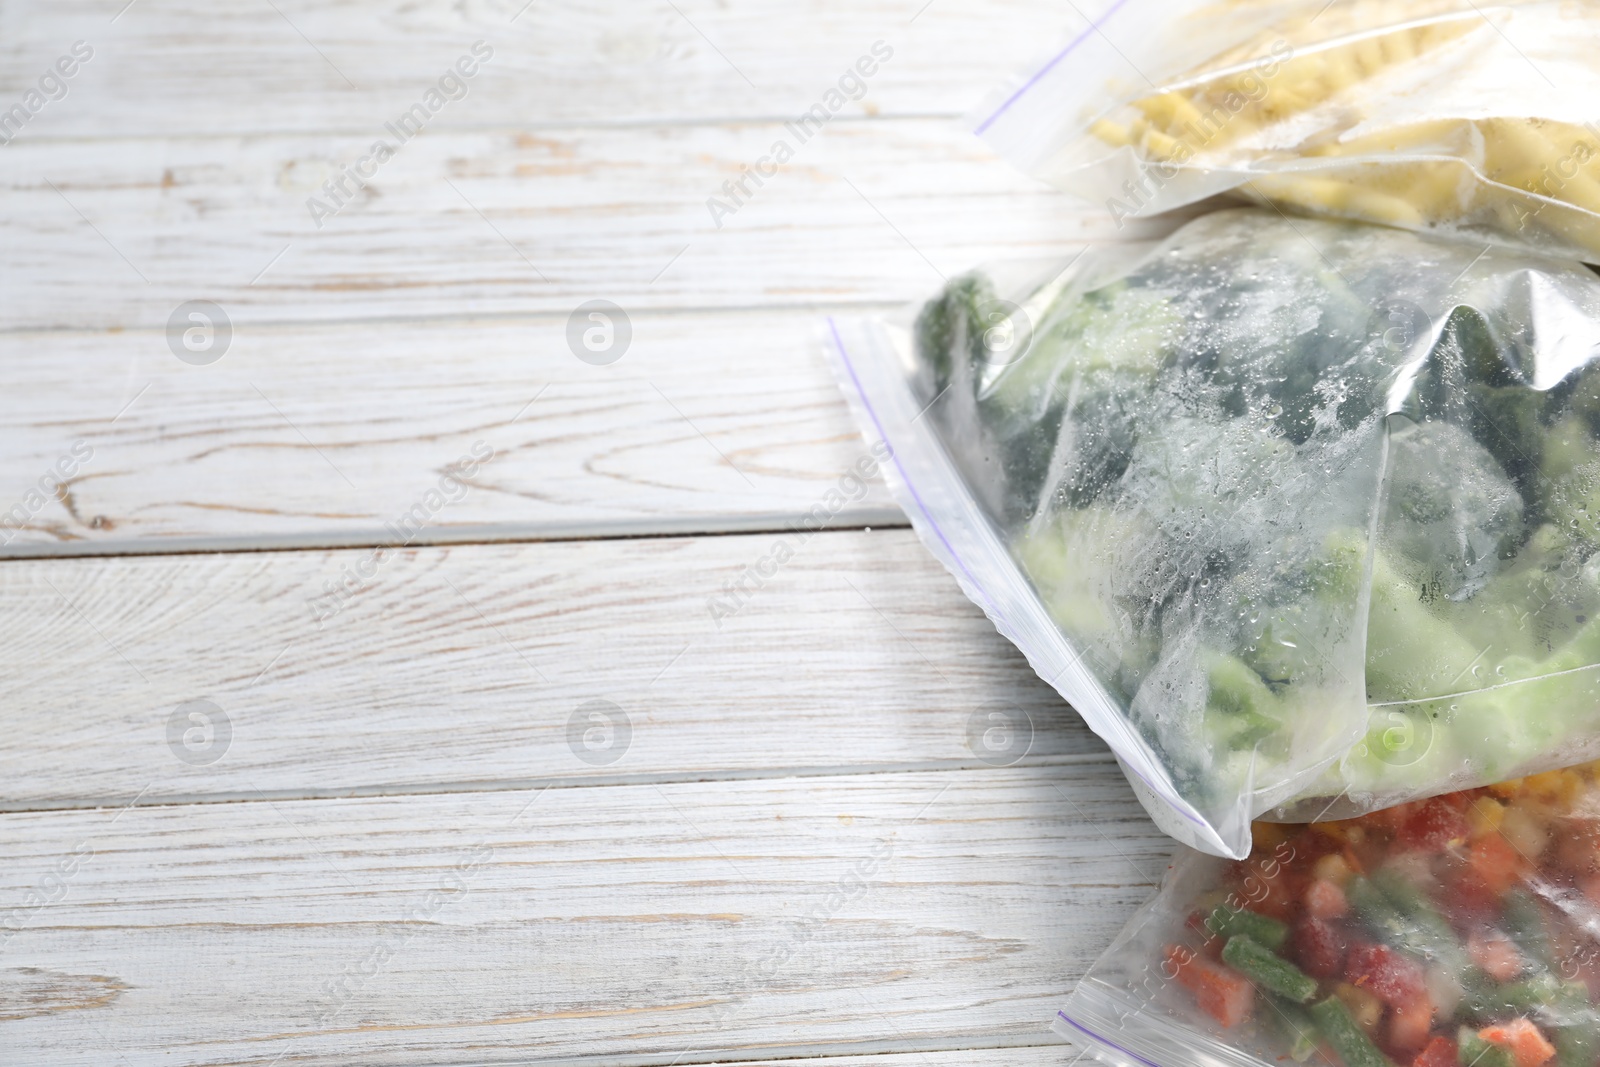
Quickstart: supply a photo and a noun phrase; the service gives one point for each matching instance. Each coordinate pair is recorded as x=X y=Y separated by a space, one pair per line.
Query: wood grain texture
x=322 y=434
x=567 y=814
x=184 y=67
x=629 y=924
x=315 y=432
x=116 y=233
x=467 y=665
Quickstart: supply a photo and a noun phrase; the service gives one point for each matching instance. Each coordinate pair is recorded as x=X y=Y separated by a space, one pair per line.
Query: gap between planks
x=540 y=784
x=864 y=519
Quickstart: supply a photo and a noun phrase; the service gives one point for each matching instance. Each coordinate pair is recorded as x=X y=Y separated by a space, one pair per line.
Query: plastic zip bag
x=1461 y=930
x=1413 y=113
x=1300 y=516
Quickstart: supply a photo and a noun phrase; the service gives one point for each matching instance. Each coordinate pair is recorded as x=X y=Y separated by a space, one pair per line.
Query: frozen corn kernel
x=1365 y=1008
x=1526 y=832
x=1332 y=868
x=1485 y=816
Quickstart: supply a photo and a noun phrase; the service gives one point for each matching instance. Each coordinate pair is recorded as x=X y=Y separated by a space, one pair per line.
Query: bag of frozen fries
x=1480 y=119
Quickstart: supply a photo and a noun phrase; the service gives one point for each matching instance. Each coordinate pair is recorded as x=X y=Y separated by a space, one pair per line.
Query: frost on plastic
x=1301 y=516
x=1477 y=118
x=1459 y=930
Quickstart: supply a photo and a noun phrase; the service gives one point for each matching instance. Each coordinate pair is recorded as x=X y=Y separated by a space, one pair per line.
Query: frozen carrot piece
x=1219 y=991
x=1528 y=1047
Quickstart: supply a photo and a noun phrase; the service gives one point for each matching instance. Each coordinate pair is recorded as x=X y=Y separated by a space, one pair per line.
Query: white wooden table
x=520 y=798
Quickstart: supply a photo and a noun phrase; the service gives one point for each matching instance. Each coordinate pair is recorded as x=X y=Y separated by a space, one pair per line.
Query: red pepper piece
x=1441 y=1052
x=1318 y=947
x=1496 y=862
x=1433 y=826
x=1392 y=977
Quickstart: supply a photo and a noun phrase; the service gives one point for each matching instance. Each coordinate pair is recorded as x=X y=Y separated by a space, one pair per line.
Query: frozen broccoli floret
x=1241 y=711
x=1474 y=378
x=1114 y=343
x=1509 y=422
x=1569 y=483
x=1004 y=450
x=948 y=330
x=1534 y=605
x=1487 y=357
x=1411 y=652
x=1449 y=509
x=1295 y=340
x=1116 y=337
x=1087 y=375
x=1289 y=622
x=1091 y=360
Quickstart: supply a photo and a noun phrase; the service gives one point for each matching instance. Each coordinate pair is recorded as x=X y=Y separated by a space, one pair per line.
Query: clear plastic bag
x=1461 y=930
x=1301 y=516
x=1478 y=118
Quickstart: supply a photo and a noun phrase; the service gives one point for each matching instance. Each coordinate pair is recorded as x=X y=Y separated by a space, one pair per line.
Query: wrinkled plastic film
x=870 y=363
x=1463 y=929
x=1301 y=516
x=1424 y=114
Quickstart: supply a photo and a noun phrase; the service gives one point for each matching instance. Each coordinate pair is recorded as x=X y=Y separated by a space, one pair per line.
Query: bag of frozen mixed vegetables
x=1477 y=117
x=1458 y=931
x=1302 y=517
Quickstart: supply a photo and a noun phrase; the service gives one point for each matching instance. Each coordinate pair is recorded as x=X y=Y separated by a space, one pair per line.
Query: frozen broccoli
x=948 y=330
x=1449 y=510
x=1256 y=508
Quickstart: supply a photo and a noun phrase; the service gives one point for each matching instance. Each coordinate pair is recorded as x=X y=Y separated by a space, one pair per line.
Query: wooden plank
x=313 y=433
x=183 y=67
x=323 y=434
x=118 y=233
x=481 y=665
x=629 y=924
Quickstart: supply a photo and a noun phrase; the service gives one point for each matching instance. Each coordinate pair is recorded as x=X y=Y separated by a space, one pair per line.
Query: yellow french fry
x=1111 y=132
x=1369 y=55
x=1400 y=46
x=1496 y=171
x=1161 y=146
x=1331 y=196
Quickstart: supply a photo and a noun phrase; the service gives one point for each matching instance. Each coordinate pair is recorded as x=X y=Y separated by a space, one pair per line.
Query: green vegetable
x=1450 y=510
x=1481 y=1001
x=1227 y=920
x=1525 y=923
x=1476 y=1052
x=1577 y=1045
x=1429 y=934
x=1278 y=539
x=1294 y=1026
x=1411 y=652
x=1488 y=1001
x=1562 y=1008
x=1258 y=963
x=1508 y=420
x=1244 y=710
x=1376 y=911
x=1347 y=1038
x=948 y=329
